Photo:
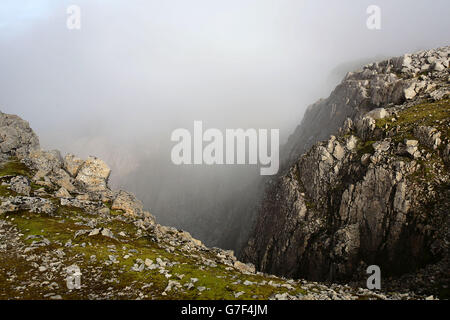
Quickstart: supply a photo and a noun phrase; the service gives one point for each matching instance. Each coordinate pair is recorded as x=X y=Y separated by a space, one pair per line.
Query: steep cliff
x=59 y=219
x=375 y=190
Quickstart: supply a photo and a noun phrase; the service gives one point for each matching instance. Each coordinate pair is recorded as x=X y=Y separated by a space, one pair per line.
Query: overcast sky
x=138 y=69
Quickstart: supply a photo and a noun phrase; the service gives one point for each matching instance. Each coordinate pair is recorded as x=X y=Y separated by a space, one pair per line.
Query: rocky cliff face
x=58 y=215
x=375 y=190
x=16 y=137
x=380 y=84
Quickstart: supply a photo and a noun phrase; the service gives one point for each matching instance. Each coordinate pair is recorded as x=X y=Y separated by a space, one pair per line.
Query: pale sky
x=144 y=67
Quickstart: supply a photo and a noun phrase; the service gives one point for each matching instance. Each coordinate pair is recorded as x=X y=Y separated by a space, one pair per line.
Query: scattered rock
x=21 y=185
x=244 y=267
x=62 y=193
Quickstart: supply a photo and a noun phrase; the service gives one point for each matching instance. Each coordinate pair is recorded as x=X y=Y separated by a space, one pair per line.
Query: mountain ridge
x=356 y=176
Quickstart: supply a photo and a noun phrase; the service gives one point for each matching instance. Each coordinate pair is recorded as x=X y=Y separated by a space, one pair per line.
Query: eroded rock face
x=72 y=164
x=93 y=175
x=62 y=193
x=16 y=137
x=428 y=136
x=20 y=185
x=78 y=183
x=45 y=162
x=368 y=195
x=32 y=204
x=371 y=89
x=328 y=214
x=128 y=203
x=49 y=169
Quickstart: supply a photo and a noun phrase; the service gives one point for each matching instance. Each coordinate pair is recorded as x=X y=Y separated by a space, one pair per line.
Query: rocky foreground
x=366 y=182
x=59 y=213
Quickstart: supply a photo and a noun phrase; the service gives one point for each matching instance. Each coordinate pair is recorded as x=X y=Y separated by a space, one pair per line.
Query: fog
x=139 y=69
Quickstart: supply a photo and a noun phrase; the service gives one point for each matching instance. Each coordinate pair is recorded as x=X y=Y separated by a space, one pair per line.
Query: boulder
x=379 y=113
x=437 y=66
x=62 y=179
x=365 y=159
x=410 y=92
x=72 y=164
x=382 y=146
x=338 y=152
x=45 y=162
x=107 y=233
x=20 y=185
x=244 y=267
x=16 y=136
x=128 y=203
x=62 y=193
x=351 y=143
x=411 y=143
x=93 y=175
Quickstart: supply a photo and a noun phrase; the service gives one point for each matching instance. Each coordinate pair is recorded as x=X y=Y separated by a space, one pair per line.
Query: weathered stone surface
x=32 y=204
x=128 y=203
x=63 y=193
x=382 y=146
x=338 y=152
x=93 y=175
x=365 y=127
x=244 y=267
x=44 y=162
x=72 y=164
x=410 y=92
x=89 y=206
x=20 y=184
x=351 y=143
x=61 y=178
x=376 y=86
x=336 y=209
x=107 y=233
x=16 y=136
x=428 y=136
x=378 y=113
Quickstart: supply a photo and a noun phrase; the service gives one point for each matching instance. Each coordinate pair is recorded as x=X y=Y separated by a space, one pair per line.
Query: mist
x=139 y=69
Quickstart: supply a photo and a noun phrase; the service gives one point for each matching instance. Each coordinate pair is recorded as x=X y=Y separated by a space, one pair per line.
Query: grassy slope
x=221 y=281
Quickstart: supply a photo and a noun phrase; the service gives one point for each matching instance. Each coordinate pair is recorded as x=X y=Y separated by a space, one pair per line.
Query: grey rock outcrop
x=370 y=194
x=72 y=164
x=367 y=92
x=93 y=175
x=63 y=193
x=428 y=136
x=16 y=137
x=128 y=203
x=21 y=185
x=32 y=204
